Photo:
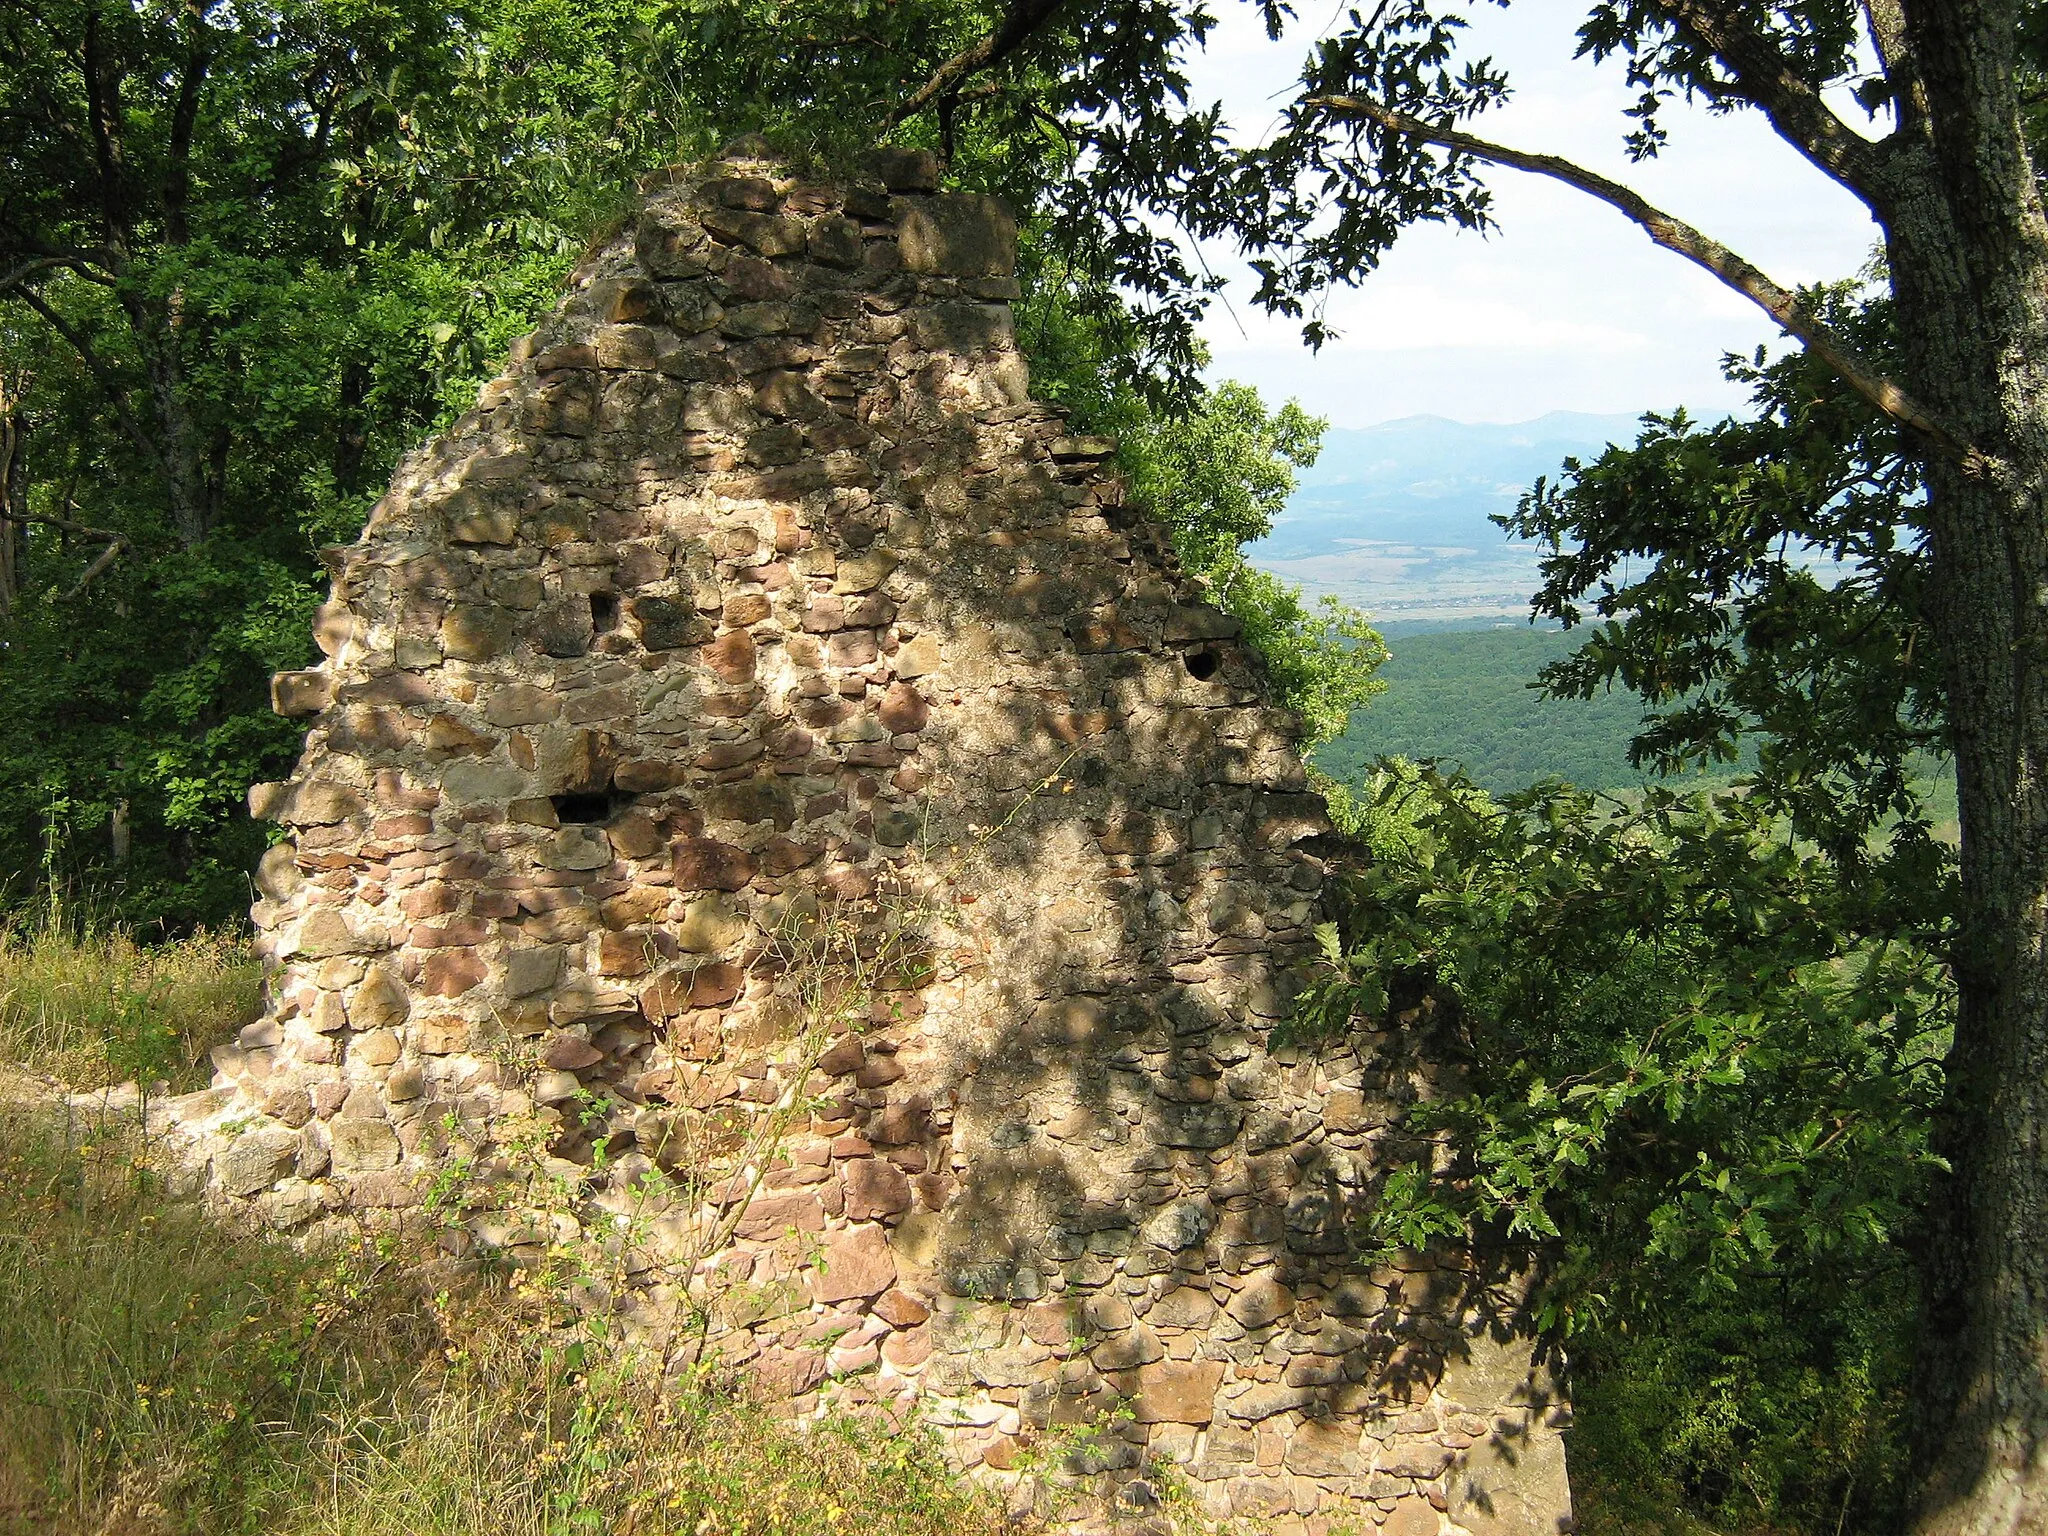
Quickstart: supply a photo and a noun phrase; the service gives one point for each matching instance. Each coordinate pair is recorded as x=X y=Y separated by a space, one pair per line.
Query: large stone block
x=959 y=234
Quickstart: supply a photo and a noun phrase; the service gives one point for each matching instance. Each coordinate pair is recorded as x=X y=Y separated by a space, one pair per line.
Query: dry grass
x=90 y=1006
x=159 y=1374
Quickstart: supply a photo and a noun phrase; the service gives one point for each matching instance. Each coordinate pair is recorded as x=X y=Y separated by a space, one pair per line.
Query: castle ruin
x=755 y=603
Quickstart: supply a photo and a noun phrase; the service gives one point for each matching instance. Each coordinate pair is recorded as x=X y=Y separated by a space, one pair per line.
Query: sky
x=1566 y=306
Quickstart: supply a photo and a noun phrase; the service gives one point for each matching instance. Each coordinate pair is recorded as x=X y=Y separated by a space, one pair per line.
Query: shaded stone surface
x=757 y=591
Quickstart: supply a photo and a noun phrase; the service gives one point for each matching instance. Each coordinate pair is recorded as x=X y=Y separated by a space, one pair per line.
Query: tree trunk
x=13 y=499
x=1984 y=1345
x=1969 y=254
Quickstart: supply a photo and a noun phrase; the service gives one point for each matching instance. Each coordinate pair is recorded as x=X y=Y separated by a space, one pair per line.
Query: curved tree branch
x=1764 y=78
x=1025 y=17
x=79 y=263
x=117 y=543
x=1675 y=235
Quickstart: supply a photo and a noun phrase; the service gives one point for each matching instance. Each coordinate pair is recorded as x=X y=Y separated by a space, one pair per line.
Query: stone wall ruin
x=757 y=594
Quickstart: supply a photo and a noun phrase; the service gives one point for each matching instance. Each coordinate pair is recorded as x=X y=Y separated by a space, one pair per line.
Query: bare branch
x=1025 y=17
x=105 y=558
x=103 y=109
x=184 y=117
x=79 y=264
x=1676 y=235
x=117 y=542
x=1763 y=78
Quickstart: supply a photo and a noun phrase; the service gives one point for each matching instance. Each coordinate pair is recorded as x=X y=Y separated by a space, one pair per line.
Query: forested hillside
x=1469 y=698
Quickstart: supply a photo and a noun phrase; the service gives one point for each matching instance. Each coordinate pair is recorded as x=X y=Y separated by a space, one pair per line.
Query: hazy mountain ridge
x=1395 y=517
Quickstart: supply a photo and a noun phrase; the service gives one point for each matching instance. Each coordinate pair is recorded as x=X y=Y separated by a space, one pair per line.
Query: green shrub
x=1779 y=1412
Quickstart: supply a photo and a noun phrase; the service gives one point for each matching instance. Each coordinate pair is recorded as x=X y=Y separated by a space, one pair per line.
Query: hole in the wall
x=604 y=613
x=586 y=807
x=1202 y=665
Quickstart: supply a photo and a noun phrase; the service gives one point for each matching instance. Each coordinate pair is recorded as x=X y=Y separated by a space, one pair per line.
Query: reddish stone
x=877 y=1072
x=900 y=1124
x=666 y=997
x=638 y=904
x=635 y=835
x=731 y=656
x=451 y=972
x=786 y=1373
x=794 y=742
x=900 y=1309
x=908 y=1350
x=462 y=933
x=874 y=1188
x=1178 y=1392
x=823 y=714
x=849 y=884
x=746 y=608
x=624 y=954
x=647 y=774
x=782 y=855
x=934 y=1190
x=857 y=1265
x=431 y=900
x=841 y=1057
x=825 y=613
x=770 y=1214
x=705 y=864
x=570 y=1053
x=851 y=648
x=870 y=612
x=790 y=536
x=713 y=986
x=729 y=706
x=903 y=710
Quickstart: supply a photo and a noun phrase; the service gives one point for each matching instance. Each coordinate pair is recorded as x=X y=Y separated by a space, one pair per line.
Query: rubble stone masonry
x=755 y=597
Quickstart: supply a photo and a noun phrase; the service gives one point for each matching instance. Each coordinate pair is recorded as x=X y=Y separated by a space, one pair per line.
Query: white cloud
x=1566 y=306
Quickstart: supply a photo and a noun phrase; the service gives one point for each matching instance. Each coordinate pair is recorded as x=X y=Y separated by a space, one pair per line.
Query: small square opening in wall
x=604 y=613
x=1202 y=665
x=588 y=807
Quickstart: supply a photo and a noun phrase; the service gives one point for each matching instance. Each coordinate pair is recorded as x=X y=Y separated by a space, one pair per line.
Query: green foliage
x=1760 y=580
x=1701 y=1071
x=250 y=255
x=1697 y=1053
x=158 y=1372
x=1783 y=1409
x=1471 y=699
x=1217 y=474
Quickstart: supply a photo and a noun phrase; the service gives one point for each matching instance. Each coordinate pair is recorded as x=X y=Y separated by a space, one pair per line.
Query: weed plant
x=159 y=1374
x=82 y=1001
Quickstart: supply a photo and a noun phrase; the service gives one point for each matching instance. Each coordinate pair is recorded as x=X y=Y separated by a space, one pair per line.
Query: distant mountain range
x=1394 y=517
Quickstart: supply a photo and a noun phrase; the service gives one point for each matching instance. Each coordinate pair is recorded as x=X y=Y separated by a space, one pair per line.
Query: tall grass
x=85 y=1003
x=159 y=1374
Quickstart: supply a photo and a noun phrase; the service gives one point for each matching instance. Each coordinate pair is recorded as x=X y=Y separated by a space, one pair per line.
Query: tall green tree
x=1380 y=134
x=246 y=254
x=250 y=254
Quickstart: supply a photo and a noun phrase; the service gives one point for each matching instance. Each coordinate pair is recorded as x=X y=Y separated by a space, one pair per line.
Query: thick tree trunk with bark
x=1969 y=255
